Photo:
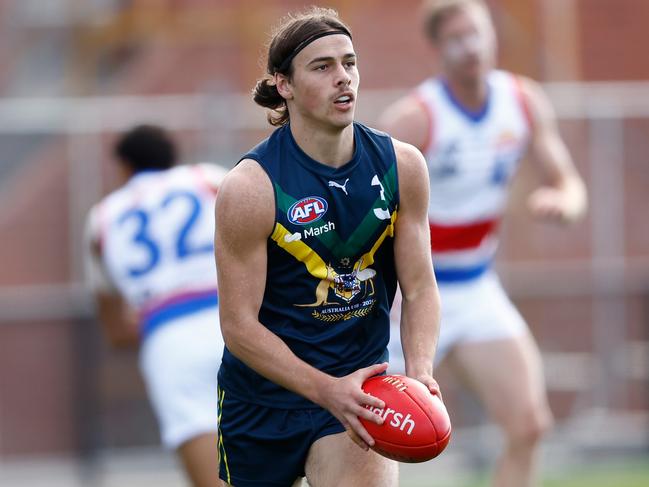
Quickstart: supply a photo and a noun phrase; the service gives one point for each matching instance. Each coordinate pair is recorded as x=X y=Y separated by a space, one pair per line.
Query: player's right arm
x=245 y=217
x=408 y=121
x=119 y=321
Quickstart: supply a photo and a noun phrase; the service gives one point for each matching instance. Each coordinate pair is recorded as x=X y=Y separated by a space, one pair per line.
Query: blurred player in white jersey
x=474 y=123
x=150 y=261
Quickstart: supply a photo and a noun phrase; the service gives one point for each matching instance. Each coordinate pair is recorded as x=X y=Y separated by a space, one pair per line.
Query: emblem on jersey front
x=344 y=285
x=307 y=210
x=507 y=151
x=347 y=286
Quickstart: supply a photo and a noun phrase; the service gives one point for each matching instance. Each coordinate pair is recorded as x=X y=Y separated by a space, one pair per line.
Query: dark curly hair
x=146 y=147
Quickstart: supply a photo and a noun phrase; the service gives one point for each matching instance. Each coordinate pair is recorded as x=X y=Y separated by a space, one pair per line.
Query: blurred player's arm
x=420 y=309
x=407 y=120
x=245 y=216
x=563 y=197
x=118 y=319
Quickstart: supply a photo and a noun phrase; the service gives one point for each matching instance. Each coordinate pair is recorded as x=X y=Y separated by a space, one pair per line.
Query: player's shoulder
x=407 y=107
x=534 y=97
x=407 y=154
x=505 y=75
x=522 y=82
x=114 y=198
x=141 y=183
x=410 y=161
x=412 y=174
x=245 y=207
x=409 y=119
x=246 y=174
x=246 y=193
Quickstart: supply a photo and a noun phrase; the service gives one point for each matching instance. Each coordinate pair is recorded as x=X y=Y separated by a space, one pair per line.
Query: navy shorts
x=262 y=446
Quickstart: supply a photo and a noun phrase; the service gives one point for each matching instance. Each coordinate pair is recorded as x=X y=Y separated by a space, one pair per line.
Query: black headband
x=287 y=62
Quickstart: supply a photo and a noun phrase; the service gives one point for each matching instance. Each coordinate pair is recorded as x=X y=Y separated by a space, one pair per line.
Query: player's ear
x=284 y=86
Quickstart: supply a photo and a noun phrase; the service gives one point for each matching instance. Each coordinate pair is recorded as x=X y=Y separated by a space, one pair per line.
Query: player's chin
x=342 y=119
x=474 y=69
x=342 y=122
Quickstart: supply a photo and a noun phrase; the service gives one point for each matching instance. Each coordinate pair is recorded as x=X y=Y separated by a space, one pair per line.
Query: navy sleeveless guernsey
x=330 y=278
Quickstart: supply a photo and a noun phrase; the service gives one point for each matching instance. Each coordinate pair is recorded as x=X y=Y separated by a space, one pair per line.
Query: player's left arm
x=420 y=311
x=118 y=319
x=563 y=195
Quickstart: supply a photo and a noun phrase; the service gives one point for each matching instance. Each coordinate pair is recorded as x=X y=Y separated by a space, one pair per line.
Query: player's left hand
x=431 y=383
x=425 y=376
x=551 y=204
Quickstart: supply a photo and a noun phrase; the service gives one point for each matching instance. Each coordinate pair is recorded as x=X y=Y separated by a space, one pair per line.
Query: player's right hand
x=553 y=204
x=346 y=400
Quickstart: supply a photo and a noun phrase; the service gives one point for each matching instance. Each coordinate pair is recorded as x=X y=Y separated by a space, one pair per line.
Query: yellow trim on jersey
x=313 y=262
x=368 y=257
x=221 y=446
x=301 y=251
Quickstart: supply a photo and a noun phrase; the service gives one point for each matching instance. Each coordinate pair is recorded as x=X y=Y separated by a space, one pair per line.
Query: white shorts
x=472 y=311
x=179 y=362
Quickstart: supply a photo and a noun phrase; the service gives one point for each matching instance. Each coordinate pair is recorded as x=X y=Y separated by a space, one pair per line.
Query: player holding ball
x=475 y=123
x=315 y=226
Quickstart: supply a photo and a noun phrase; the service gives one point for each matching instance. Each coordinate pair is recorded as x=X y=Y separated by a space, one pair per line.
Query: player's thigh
x=200 y=457
x=507 y=376
x=337 y=460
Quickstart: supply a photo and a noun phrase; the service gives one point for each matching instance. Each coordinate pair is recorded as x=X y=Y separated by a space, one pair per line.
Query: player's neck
x=331 y=147
x=124 y=174
x=471 y=93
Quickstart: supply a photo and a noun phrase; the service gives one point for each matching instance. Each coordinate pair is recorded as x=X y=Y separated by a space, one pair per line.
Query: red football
x=416 y=426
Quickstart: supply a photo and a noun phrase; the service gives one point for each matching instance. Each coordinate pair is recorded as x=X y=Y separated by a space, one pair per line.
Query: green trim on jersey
x=367 y=226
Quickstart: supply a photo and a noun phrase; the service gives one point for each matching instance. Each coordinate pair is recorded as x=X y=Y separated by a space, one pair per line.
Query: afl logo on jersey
x=307 y=210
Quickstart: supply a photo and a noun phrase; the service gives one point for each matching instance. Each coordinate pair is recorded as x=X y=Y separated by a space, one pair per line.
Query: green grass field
x=602 y=474
x=615 y=475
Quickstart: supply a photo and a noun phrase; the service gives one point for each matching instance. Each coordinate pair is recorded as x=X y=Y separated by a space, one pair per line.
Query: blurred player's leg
x=200 y=457
x=179 y=363
x=337 y=460
x=507 y=376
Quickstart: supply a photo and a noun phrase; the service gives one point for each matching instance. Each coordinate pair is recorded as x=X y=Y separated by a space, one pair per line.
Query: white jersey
x=154 y=237
x=471 y=159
